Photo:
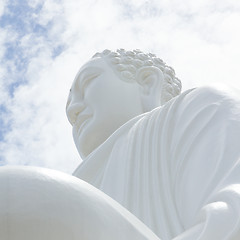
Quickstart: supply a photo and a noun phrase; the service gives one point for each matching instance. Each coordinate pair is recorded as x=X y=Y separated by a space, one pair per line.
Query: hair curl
x=126 y=64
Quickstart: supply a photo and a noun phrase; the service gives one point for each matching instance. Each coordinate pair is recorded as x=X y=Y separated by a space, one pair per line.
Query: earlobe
x=145 y=78
x=150 y=81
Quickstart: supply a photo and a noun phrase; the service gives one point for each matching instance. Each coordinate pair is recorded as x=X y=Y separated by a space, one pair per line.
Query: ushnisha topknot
x=127 y=63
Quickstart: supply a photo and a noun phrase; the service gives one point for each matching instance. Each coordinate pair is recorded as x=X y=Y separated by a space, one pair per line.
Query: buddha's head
x=111 y=89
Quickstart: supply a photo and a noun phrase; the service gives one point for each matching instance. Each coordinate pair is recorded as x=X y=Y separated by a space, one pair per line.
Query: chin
x=86 y=143
x=90 y=138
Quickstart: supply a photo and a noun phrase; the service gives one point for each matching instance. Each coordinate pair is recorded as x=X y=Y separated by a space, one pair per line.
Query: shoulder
x=204 y=97
x=196 y=106
x=212 y=94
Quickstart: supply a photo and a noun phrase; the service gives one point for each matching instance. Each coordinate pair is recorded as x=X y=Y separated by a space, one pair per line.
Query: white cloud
x=2 y=6
x=198 y=38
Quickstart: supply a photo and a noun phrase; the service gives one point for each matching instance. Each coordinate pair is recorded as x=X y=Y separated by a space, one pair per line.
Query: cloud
x=42 y=49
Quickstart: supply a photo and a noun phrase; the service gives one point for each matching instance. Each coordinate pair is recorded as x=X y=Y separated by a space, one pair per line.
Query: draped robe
x=177 y=167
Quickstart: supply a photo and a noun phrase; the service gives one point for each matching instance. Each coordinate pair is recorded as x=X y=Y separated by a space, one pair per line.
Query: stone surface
x=39 y=204
x=157 y=164
x=175 y=167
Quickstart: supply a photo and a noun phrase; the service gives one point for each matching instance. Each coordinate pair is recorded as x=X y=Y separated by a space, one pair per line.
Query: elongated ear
x=150 y=80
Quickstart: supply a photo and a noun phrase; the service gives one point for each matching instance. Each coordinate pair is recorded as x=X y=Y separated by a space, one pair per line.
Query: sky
x=43 y=43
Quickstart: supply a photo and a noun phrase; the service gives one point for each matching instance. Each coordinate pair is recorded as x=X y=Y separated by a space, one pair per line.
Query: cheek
x=94 y=93
x=99 y=99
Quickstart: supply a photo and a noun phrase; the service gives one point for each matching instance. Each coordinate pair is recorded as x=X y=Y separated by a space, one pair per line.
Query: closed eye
x=86 y=81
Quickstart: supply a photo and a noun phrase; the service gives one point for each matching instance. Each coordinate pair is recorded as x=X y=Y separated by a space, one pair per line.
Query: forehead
x=93 y=64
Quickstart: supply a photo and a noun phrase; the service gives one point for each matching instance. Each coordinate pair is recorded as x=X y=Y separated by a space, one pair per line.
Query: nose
x=73 y=109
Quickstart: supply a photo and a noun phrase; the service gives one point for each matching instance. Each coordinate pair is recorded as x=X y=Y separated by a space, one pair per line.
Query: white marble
x=43 y=204
x=173 y=164
x=157 y=164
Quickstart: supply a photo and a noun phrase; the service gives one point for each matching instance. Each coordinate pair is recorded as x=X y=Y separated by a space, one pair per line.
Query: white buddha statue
x=171 y=161
x=156 y=165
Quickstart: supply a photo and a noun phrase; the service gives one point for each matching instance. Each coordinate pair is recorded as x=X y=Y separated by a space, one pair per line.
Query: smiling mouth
x=81 y=122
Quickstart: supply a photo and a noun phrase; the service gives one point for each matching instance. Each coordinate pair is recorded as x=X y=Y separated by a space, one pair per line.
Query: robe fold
x=177 y=167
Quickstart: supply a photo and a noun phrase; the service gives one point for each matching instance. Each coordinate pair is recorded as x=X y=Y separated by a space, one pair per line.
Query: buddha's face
x=98 y=104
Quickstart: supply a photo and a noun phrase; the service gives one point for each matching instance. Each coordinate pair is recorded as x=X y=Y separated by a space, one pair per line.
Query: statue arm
x=218 y=219
x=39 y=203
x=205 y=152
